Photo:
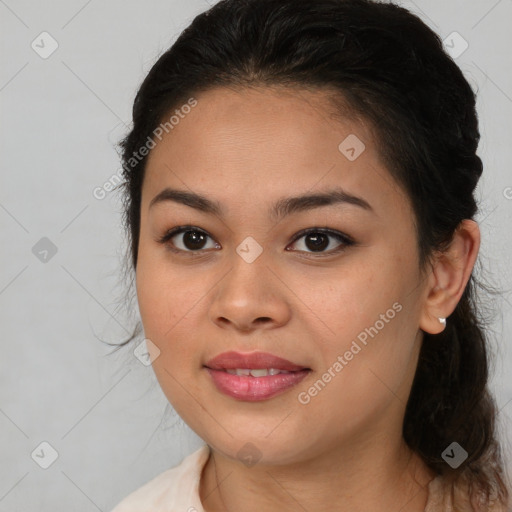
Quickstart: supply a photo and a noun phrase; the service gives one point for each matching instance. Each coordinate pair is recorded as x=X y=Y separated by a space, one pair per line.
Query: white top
x=177 y=490
x=174 y=490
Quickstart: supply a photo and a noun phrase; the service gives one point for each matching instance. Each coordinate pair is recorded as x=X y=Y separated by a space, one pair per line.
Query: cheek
x=166 y=302
x=367 y=326
x=172 y=306
x=151 y=299
x=164 y=297
x=363 y=374
x=341 y=303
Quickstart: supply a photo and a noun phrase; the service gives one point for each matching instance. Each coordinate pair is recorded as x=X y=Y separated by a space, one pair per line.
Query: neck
x=383 y=476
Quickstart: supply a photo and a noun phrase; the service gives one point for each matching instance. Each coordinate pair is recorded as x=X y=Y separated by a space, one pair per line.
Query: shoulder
x=176 y=488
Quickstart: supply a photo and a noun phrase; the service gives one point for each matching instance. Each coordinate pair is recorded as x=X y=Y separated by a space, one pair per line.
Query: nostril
x=263 y=319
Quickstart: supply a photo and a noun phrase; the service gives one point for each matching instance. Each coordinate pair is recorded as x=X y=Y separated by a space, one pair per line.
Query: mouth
x=254 y=376
x=255 y=372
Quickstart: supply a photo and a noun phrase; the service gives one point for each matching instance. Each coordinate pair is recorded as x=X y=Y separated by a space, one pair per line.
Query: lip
x=248 y=388
x=232 y=360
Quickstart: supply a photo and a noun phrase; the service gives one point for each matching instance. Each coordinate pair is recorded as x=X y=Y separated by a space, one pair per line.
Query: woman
x=299 y=198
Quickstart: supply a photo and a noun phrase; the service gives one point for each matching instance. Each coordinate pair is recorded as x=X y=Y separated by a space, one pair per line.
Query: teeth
x=259 y=372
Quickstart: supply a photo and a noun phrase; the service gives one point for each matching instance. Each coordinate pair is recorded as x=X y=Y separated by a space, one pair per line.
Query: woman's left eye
x=316 y=240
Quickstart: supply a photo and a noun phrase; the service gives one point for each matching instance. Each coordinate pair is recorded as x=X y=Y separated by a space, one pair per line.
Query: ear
x=451 y=270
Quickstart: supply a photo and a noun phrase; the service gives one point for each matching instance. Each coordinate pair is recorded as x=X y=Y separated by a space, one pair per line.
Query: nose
x=250 y=296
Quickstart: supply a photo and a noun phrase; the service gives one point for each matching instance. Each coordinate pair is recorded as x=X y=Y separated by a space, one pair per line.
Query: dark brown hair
x=391 y=70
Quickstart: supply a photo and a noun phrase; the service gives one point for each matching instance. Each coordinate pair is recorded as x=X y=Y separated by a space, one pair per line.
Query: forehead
x=267 y=141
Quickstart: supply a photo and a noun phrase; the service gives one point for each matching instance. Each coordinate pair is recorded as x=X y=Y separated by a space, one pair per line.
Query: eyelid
x=345 y=240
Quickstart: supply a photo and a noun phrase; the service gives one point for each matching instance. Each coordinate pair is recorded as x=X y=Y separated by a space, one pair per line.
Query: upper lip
x=254 y=360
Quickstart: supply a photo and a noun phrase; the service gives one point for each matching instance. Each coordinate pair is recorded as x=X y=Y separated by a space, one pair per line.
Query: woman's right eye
x=187 y=239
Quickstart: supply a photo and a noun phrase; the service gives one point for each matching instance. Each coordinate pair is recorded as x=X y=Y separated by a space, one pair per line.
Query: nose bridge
x=249 y=273
x=249 y=250
x=249 y=292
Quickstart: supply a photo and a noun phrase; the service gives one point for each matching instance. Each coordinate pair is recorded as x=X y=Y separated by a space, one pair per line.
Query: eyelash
x=345 y=240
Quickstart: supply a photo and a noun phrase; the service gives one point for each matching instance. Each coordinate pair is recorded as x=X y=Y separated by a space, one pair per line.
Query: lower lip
x=253 y=389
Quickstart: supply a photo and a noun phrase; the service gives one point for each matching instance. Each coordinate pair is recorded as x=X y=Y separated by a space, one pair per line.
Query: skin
x=345 y=446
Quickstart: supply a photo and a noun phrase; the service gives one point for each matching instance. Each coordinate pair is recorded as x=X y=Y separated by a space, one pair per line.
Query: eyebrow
x=280 y=209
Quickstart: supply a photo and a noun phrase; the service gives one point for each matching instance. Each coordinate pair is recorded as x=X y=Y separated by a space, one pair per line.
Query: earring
x=442 y=321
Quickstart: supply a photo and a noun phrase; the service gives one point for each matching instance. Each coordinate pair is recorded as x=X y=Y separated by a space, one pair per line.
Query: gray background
x=60 y=118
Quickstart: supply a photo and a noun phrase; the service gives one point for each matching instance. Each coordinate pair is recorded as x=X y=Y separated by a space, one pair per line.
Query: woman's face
x=344 y=310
